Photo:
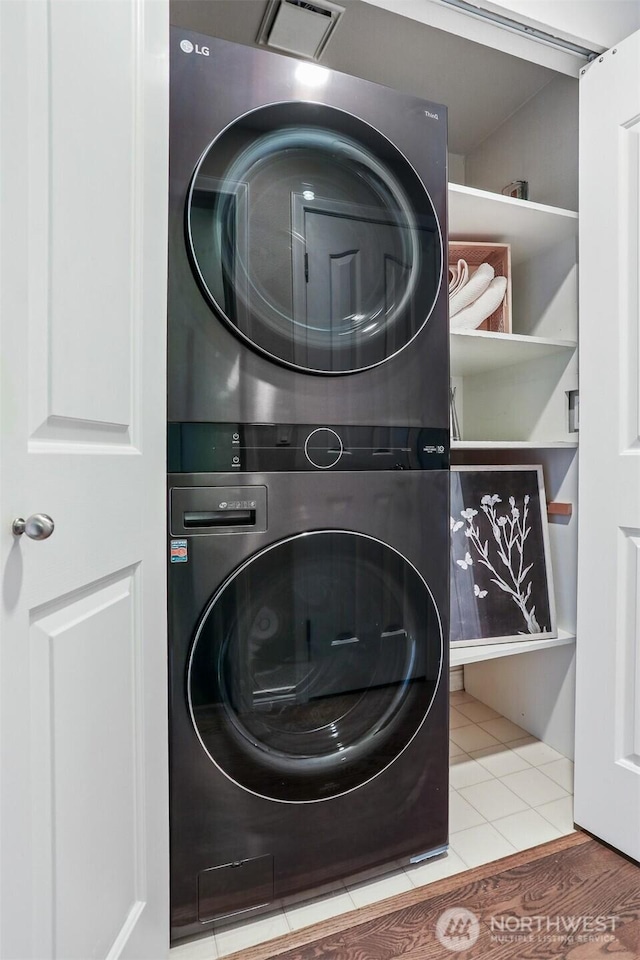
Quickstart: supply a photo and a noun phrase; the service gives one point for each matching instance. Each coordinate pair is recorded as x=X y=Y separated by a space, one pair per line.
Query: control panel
x=269 y=447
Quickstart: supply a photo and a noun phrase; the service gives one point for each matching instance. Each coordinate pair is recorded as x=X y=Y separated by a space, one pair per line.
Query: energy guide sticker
x=179 y=551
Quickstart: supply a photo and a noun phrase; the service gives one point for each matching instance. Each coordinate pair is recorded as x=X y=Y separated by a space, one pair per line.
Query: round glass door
x=314 y=666
x=313 y=237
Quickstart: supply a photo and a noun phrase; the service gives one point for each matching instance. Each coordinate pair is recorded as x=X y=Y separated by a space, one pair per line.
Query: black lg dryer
x=308 y=607
x=307 y=229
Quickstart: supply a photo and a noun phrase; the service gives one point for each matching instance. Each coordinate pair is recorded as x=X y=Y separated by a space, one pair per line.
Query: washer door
x=314 y=666
x=314 y=238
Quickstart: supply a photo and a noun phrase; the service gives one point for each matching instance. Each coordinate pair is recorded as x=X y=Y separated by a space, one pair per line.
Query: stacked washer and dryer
x=308 y=479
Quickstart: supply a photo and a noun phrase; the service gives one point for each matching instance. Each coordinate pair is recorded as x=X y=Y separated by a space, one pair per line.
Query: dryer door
x=313 y=237
x=314 y=666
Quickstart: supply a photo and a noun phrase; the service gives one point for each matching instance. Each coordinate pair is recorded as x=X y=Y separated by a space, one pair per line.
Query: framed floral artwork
x=501 y=582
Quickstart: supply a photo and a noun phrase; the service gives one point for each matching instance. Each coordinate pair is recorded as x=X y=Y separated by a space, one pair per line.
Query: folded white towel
x=472 y=316
x=473 y=289
x=458 y=276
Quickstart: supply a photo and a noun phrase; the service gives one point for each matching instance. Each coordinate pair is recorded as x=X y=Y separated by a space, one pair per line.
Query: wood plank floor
x=546 y=888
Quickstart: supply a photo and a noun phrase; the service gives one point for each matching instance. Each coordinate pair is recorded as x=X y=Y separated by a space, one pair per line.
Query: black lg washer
x=307 y=621
x=307 y=230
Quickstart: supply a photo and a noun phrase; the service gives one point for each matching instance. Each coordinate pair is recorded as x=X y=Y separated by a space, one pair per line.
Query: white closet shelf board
x=477 y=351
x=529 y=227
x=513 y=445
x=492 y=651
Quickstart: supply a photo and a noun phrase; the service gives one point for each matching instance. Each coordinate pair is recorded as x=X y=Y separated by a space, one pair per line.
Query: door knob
x=39 y=526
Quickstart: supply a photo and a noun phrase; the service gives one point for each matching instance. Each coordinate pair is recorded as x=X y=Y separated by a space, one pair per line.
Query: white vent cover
x=299 y=26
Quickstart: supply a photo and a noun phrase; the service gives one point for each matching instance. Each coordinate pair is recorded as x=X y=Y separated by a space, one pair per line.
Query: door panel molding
x=86 y=658
x=628 y=145
x=627 y=748
x=85 y=228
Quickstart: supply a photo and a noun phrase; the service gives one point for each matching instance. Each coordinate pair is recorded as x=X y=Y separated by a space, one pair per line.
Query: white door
x=607 y=772
x=83 y=181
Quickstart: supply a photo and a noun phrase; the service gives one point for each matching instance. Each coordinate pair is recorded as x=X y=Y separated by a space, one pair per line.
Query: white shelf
x=492 y=651
x=478 y=351
x=529 y=227
x=513 y=445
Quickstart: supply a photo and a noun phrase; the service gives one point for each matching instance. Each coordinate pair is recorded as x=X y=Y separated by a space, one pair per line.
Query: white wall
x=512 y=152
x=456 y=168
x=534 y=690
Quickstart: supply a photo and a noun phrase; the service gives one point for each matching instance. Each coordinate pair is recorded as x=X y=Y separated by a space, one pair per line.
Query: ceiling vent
x=298 y=26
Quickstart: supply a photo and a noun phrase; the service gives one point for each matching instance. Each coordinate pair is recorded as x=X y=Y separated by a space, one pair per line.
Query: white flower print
x=510 y=531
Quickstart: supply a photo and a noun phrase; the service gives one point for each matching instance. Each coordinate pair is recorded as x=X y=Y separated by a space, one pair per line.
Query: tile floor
x=508 y=791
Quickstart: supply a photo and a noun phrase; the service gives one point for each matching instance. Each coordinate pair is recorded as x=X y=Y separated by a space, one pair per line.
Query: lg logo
x=187 y=47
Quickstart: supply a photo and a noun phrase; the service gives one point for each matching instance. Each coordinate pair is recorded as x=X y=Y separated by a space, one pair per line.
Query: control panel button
x=323 y=448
